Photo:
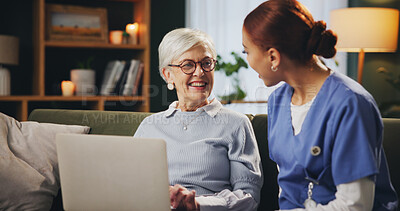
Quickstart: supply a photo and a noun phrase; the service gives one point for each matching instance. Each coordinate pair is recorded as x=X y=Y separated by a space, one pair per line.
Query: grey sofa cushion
x=29 y=177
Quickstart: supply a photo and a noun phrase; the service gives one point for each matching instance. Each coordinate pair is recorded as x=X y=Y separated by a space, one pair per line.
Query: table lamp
x=9 y=48
x=365 y=29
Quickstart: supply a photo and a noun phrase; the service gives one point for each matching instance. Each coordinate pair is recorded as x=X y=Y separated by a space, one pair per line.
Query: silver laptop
x=101 y=172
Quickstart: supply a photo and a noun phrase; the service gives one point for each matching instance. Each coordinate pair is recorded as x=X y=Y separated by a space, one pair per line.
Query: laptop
x=103 y=172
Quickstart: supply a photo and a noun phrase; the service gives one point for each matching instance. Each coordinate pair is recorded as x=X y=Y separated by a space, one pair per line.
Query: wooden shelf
x=22 y=102
x=72 y=98
x=50 y=54
x=72 y=44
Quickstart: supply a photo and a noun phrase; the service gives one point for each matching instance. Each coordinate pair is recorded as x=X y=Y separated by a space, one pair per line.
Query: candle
x=67 y=88
x=132 y=29
x=116 y=36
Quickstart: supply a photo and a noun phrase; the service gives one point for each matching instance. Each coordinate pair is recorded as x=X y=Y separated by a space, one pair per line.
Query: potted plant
x=231 y=70
x=84 y=77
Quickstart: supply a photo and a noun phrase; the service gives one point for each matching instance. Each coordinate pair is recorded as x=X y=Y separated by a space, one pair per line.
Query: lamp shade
x=9 y=48
x=368 y=28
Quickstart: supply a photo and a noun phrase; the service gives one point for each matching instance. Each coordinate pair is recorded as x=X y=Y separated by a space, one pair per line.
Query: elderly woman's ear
x=167 y=75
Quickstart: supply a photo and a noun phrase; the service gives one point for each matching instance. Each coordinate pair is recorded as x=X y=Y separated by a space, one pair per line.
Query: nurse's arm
x=356 y=195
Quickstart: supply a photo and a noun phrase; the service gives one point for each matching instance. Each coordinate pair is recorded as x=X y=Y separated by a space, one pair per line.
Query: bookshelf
x=52 y=60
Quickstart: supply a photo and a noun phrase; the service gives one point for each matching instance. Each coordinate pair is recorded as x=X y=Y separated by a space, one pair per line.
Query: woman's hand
x=183 y=199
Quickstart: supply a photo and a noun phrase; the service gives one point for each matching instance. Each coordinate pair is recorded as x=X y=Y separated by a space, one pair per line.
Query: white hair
x=178 y=41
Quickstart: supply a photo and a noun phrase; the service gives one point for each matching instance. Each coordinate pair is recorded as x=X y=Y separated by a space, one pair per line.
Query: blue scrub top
x=345 y=124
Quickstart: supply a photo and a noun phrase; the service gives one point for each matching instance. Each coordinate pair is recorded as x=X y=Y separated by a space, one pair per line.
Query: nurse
x=324 y=129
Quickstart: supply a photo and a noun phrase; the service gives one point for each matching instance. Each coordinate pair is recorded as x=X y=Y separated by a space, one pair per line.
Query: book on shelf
x=112 y=74
x=131 y=79
x=138 y=77
x=124 y=83
x=122 y=77
x=119 y=87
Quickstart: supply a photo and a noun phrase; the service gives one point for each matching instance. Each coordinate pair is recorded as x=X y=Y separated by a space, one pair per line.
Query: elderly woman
x=213 y=158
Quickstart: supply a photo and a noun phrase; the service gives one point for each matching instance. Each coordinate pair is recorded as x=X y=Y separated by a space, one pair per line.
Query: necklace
x=190 y=121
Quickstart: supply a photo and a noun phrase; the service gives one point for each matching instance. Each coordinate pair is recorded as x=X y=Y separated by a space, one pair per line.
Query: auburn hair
x=289 y=27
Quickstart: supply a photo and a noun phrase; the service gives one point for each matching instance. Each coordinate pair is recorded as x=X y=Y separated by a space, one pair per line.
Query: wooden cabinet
x=52 y=60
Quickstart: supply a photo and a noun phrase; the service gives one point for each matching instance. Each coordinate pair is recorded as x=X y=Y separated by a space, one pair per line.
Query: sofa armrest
x=270 y=189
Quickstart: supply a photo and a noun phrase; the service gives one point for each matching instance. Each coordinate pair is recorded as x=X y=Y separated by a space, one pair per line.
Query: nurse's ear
x=274 y=57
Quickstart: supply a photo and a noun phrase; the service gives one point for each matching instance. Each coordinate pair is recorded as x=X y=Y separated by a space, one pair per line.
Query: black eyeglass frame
x=195 y=65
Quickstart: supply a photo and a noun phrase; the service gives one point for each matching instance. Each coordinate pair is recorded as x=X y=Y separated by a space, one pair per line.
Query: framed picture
x=76 y=23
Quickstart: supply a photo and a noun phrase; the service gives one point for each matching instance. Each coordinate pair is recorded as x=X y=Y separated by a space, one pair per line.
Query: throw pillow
x=29 y=178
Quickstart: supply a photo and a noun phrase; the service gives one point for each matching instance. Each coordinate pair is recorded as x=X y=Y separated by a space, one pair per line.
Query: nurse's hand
x=182 y=199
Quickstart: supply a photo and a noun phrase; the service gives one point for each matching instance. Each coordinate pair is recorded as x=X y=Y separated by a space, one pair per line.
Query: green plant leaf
x=87 y=64
x=230 y=68
x=234 y=96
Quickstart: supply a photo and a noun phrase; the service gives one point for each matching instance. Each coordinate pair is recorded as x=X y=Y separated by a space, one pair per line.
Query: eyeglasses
x=189 y=66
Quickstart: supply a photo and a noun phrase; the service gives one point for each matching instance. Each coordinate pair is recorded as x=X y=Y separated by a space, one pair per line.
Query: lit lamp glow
x=133 y=30
x=9 y=49
x=67 y=88
x=365 y=29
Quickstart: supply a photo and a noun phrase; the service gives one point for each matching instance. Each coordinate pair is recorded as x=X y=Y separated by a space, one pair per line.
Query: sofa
x=126 y=123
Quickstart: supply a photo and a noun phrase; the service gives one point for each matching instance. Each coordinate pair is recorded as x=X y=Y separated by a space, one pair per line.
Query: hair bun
x=318 y=28
x=322 y=42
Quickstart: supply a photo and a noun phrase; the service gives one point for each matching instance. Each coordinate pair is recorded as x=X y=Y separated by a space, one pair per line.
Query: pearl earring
x=274 y=69
x=170 y=86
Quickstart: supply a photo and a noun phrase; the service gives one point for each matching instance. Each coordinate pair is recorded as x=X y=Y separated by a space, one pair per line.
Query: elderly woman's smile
x=197 y=84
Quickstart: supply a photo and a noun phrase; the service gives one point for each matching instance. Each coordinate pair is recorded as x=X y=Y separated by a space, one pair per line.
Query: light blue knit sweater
x=212 y=150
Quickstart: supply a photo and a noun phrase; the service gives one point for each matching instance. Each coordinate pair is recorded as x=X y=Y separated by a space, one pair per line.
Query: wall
x=165 y=16
x=373 y=81
x=16 y=20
